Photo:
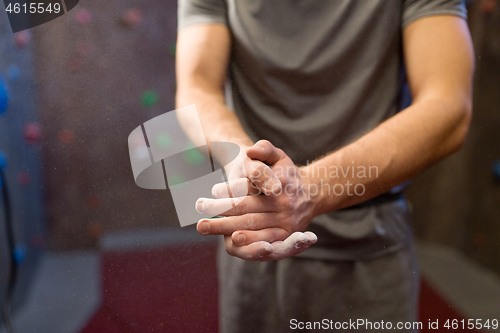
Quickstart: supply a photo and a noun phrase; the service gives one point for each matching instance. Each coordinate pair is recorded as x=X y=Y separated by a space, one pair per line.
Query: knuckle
x=284 y=179
x=240 y=208
x=216 y=191
x=264 y=143
x=250 y=223
x=287 y=202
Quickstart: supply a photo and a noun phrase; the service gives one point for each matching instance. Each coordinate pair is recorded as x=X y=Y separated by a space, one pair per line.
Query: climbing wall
x=102 y=70
x=20 y=162
x=457 y=202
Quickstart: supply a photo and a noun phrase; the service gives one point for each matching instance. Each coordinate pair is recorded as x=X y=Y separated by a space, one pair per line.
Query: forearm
x=218 y=122
x=201 y=65
x=391 y=154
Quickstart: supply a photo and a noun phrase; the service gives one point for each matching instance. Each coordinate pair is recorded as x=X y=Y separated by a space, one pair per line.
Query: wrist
x=318 y=189
x=312 y=188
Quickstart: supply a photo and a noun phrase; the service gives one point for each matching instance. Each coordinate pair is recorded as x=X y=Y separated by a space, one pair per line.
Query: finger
x=240 y=205
x=266 y=152
x=236 y=188
x=270 y=235
x=262 y=176
x=297 y=243
x=228 y=225
x=253 y=252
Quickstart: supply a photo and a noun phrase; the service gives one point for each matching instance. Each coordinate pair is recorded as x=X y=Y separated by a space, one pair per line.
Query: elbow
x=462 y=125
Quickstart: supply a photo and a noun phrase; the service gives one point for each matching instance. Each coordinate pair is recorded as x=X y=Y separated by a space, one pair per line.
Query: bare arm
x=201 y=66
x=439 y=60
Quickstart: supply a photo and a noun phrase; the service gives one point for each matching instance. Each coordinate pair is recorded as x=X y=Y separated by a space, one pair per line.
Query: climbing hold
x=131 y=18
x=488 y=6
x=13 y=72
x=172 y=49
x=95 y=230
x=163 y=141
x=92 y=202
x=66 y=136
x=83 y=17
x=22 y=38
x=496 y=170
x=3 y=160
x=32 y=133
x=193 y=156
x=149 y=98
x=23 y=178
x=19 y=254
x=175 y=180
x=3 y=164
x=4 y=97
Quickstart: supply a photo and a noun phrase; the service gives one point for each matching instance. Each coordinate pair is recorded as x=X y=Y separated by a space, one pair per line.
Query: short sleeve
x=415 y=9
x=201 y=11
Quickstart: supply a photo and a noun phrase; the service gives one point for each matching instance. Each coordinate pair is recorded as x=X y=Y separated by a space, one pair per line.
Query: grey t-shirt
x=312 y=76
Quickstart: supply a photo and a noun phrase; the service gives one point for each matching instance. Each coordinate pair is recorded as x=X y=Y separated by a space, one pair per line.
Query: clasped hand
x=268 y=222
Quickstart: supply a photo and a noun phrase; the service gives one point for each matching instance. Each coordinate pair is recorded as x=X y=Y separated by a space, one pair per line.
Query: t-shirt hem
x=435 y=13
x=200 y=19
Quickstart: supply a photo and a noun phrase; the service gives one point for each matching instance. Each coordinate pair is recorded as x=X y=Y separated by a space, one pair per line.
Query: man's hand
x=244 y=170
x=262 y=227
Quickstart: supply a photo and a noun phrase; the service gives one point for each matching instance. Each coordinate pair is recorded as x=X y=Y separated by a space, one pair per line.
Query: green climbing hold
x=149 y=98
x=193 y=156
x=175 y=180
x=163 y=140
x=172 y=49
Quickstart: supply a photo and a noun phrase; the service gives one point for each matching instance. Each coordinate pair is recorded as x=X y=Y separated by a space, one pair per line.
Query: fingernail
x=241 y=239
x=264 y=253
x=199 y=206
x=203 y=227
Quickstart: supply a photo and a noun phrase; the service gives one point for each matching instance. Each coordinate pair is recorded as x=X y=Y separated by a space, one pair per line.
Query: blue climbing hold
x=3 y=160
x=3 y=164
x=496 y=170
x=4 y=96
x=19 y=254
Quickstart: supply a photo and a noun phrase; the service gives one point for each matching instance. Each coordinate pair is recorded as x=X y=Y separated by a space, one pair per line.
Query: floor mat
x=174 y=289
x=158 y=290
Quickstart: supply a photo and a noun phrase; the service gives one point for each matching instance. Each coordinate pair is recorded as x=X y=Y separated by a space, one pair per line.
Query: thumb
x=263 y=177
x=266 y=152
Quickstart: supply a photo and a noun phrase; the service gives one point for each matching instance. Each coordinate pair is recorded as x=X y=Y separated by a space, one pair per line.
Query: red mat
x=161 y=290
x=433 y=307
x=174 y=290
